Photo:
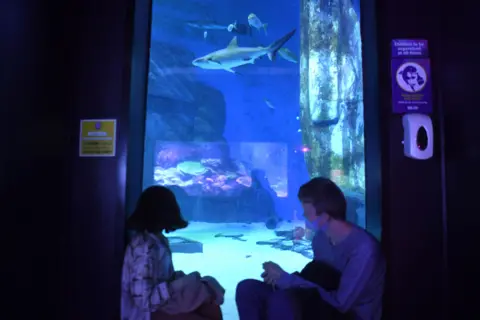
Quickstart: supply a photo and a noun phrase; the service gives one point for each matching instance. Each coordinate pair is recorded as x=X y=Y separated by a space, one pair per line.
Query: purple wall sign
x=411 y=83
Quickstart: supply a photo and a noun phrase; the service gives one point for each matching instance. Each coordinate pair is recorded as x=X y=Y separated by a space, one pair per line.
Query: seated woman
x=151 y=289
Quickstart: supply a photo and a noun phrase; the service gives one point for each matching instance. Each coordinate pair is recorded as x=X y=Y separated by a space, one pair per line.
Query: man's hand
x=272 y=272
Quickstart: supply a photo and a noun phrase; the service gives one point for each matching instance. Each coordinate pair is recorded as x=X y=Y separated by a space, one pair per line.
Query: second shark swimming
x=234 y=56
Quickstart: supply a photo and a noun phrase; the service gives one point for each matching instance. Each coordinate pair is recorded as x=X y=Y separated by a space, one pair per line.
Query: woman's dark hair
x=325 y=196
x=157 y=210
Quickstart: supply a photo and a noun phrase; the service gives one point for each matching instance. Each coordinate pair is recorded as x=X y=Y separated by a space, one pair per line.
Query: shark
x=206 y=25
x=234 y=56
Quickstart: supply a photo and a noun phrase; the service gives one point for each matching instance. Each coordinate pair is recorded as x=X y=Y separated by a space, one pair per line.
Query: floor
x=230 y=260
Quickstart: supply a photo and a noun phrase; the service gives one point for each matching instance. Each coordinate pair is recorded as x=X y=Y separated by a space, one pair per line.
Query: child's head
x=157 y=210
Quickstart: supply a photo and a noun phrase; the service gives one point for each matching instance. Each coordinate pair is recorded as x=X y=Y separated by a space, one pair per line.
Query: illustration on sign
x=98 y=137
x=411 y=77
x=411 y=85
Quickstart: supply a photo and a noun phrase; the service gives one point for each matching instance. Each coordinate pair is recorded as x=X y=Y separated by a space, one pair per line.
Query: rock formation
x=331 y=81
x=179 y=107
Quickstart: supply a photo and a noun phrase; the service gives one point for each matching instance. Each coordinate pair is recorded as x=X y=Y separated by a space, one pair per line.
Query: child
x=151 y=289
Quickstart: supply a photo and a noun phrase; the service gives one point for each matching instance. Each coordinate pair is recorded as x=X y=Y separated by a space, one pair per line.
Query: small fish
x=255 y=22
x=234 y=56
x=269 y=103
x=205 y=34
x=288 y=55
x=231 y=236
x=206 y=25
x=232 y=26
x=318 y=125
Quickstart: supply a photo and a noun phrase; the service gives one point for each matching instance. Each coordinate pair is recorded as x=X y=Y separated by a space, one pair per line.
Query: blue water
x=235 y=148
x=261 y=104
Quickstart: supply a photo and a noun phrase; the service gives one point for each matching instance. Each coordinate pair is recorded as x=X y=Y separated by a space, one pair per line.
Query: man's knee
x=246 y=287
x=280 y=297
x=283 y=300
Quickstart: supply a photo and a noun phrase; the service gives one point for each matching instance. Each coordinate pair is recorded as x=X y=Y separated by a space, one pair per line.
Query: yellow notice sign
x=98 y=137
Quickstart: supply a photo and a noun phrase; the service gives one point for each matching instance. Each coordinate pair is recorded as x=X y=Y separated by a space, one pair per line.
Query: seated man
x=347 y=249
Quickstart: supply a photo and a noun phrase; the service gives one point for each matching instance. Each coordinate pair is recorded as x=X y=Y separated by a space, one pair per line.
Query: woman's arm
x=148 y=290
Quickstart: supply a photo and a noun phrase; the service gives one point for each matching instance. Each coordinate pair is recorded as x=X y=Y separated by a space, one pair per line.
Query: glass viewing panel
x=234 y=134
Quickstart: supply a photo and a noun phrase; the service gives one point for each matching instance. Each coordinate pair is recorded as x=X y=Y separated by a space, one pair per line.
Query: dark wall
x=412 y=194
x=62 y=228
x=419 y=216
x=35 y=139
x=98 y=35
x=460 y=71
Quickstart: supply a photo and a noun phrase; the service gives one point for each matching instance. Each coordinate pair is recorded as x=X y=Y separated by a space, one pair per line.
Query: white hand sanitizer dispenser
x=418 y=136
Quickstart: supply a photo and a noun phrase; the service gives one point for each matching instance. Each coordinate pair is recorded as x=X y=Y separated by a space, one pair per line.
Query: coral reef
x=204 y=177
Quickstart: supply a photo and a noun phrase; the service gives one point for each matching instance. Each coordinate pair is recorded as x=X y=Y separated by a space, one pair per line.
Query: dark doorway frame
x=138 y=100
x=372 y=114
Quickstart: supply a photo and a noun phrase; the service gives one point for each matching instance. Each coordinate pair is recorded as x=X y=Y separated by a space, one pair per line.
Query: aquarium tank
x=247 y=100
